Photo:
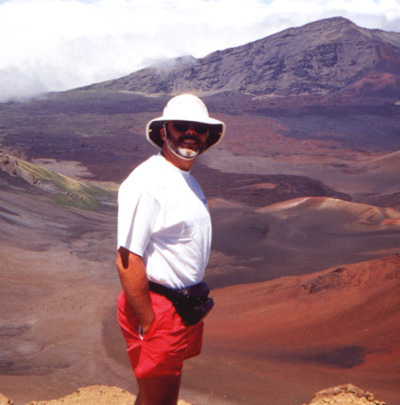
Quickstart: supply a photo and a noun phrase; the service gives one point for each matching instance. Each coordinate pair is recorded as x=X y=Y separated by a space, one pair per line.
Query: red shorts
x=165 y=346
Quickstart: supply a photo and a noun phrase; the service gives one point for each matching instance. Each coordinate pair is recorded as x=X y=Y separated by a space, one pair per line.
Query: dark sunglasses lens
x=200 y=128
x=182 y=126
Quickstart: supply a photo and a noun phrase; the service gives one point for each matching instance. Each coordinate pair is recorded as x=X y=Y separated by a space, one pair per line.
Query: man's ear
x=162 y=133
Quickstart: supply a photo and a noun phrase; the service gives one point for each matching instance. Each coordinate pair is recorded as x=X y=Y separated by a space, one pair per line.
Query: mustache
x=189 y=137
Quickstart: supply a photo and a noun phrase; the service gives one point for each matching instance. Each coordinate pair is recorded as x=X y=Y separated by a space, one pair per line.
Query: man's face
x=186 y=139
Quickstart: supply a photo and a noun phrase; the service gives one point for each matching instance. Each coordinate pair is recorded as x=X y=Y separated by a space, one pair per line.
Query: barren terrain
x=304 y=195
x=59 y=286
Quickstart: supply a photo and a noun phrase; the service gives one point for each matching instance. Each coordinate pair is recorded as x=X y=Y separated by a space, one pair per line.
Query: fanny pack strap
x=162 y=290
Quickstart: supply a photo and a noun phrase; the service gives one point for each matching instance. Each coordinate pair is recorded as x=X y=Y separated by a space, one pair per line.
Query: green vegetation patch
x=67 y=191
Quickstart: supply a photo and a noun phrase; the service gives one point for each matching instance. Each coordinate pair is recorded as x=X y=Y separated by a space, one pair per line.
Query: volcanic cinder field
x=304 y=271
x=304 y=195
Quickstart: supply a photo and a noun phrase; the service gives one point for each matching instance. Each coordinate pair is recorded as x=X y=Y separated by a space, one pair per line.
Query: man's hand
x=132 y=274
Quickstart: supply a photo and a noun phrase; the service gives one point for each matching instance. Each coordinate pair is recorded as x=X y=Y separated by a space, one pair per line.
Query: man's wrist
x=145 y=326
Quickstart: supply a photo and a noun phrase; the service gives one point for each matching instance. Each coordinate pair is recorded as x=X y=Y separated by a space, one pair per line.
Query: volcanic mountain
x=323 y=57
x=303 y=193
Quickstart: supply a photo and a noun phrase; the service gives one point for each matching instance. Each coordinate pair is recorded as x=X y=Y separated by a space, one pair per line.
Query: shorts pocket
x=151 y=330
x=162 y=309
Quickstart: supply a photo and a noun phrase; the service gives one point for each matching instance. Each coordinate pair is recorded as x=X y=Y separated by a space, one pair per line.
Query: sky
x=56 y=45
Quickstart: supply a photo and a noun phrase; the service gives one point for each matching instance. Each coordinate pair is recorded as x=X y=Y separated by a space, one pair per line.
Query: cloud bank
x=55 y=45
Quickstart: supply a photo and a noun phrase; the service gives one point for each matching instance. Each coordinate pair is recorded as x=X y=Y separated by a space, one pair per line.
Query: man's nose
x=191 y=129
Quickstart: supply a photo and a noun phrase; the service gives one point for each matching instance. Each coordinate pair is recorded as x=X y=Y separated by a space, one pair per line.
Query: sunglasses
x=183 y=126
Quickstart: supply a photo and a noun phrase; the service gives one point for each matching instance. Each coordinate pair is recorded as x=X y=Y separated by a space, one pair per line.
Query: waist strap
x=162 y=290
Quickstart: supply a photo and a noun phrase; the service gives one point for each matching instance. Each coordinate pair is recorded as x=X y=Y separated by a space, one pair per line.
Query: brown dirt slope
x=298 y=236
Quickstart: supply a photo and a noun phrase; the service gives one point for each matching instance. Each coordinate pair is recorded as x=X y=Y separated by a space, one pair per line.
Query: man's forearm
x=132 y=274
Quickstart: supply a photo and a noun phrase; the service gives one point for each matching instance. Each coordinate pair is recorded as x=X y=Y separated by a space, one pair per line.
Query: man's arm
x=132 y=274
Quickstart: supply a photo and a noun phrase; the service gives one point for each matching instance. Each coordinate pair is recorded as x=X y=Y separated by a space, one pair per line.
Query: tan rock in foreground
x=4 y=400
x=95 y=394
x=103 y=395
x=92 y=395
x=344 y=394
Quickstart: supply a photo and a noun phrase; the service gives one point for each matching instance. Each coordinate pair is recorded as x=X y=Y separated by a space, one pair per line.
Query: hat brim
x=215 y=134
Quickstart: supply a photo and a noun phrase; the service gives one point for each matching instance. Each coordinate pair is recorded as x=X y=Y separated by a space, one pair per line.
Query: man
x=164 y=237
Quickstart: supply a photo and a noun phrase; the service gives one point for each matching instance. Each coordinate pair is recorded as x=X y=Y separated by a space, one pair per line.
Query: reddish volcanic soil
x=298 y=192
x=274 y=342
x=281 y=341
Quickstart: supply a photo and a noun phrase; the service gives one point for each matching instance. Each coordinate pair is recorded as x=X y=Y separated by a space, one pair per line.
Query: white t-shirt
x=163 y=217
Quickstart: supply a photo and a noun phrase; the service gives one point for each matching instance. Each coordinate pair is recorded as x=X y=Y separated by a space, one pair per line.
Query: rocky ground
x=99 y=395
x=96 y=395
x=345 y=395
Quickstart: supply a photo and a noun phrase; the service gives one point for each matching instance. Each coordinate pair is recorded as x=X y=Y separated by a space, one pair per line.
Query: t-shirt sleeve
x=137 y=212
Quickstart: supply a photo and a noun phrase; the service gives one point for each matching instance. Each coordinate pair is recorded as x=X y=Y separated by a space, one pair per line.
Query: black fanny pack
x=192 y=303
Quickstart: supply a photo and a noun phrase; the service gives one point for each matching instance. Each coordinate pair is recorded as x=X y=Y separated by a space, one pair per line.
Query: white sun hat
x=185 y=107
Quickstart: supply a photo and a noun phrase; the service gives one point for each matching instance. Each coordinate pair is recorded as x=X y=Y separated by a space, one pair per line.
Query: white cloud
x=52 y=45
